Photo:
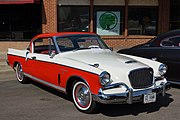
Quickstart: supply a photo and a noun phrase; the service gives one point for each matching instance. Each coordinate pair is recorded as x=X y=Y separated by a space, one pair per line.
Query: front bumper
x=129 y=96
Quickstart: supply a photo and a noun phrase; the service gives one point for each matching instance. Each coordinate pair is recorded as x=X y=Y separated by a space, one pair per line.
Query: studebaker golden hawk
x=81 y=65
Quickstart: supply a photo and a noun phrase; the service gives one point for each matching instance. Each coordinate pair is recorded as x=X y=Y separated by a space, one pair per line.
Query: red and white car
x=81 y=65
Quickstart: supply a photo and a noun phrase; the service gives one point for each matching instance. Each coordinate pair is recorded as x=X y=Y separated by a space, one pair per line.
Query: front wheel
x=20 y=74
x=82 y=98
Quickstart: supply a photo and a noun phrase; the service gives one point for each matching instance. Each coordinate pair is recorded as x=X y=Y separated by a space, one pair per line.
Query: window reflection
x=171 y=42
x=20 y=22
x=73 y=18
x=142 y=21
x=175 y=15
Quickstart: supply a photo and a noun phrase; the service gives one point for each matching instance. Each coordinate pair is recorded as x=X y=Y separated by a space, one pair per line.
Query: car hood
x=117 y=65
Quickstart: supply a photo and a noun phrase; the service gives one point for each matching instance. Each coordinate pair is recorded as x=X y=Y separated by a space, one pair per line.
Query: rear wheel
x=20 y=74
x=82 y=98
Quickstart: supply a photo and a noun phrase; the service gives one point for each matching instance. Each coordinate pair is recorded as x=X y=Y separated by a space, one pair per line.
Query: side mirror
x=52 y=54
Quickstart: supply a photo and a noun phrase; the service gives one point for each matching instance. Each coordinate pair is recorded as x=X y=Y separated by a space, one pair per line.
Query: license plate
x=151 y=97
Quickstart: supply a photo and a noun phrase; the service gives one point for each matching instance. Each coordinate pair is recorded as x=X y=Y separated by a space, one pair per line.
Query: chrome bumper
x=129 y=96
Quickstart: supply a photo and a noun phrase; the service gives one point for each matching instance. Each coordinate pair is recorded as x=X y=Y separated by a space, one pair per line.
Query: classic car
x=81 y=65
x=164 y=48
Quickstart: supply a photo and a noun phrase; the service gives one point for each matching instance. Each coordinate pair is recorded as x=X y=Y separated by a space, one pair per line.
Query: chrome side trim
x=46 y=83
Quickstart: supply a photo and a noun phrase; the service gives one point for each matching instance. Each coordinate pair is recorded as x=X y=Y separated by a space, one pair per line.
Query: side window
x=44 y=46
x=171 y=41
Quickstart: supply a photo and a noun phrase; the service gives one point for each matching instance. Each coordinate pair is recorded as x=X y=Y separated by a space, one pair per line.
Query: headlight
x=105 y=78
x=162 y=69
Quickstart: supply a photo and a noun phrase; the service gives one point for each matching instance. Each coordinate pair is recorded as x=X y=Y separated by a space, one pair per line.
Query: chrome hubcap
x=20 y=74
x=82 y=96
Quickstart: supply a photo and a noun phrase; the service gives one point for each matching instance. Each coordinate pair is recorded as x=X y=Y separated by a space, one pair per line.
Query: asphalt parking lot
x=37 y=102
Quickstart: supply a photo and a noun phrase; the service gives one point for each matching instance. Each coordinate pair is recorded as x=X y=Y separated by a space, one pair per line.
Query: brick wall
x=117 y=43
x=17 y=45
x=49 y=16
x=120 y=43
x=5 y=45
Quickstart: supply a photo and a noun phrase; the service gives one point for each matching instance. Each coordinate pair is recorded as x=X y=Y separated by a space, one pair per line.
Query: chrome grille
x=141 y=78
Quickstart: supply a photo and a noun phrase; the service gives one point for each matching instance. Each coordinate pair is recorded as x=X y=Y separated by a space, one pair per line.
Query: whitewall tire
x=20 y=74
x=82 y=98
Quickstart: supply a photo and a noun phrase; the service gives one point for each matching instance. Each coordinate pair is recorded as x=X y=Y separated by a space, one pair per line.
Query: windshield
x=80 y=42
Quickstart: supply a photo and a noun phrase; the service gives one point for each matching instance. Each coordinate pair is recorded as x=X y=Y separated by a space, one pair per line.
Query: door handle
x=33 y=58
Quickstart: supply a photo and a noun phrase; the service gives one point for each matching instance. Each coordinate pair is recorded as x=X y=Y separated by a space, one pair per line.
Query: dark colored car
x=164 y=48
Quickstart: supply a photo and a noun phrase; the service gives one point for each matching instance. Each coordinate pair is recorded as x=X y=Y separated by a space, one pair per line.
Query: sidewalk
x=3 y=65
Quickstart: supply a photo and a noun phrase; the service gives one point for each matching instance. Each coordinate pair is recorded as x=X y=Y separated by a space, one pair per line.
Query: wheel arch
x=71 y=81
x=15 y=64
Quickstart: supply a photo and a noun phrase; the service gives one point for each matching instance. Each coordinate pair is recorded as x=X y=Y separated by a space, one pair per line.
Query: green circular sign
x=108 y=20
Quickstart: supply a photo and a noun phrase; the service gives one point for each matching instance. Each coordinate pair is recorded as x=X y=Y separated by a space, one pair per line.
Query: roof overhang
x=18 y=1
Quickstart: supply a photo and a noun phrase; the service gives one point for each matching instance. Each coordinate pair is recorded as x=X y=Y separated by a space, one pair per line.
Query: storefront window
x=108 y=20
x=175 y=15
x=142 y=20
x=4 y=23
x=20 y=22
x=73 y=18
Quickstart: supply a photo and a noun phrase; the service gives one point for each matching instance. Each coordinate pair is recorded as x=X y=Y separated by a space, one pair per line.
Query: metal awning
x=18 y=1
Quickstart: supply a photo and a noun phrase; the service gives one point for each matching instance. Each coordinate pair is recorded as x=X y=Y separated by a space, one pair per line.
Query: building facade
x=121 y=23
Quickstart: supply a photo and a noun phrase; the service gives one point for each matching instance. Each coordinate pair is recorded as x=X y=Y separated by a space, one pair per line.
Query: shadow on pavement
x=175 y=86
x=51 y=90
x=137 y=108
x=118 y=109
